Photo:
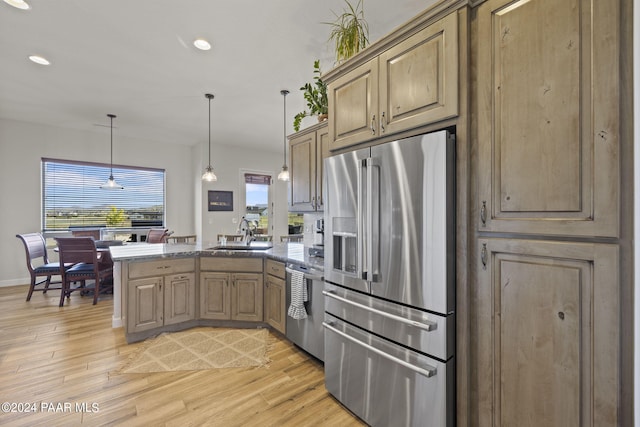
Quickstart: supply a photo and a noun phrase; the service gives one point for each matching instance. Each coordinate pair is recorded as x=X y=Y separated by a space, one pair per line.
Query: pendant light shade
x=208 y=174
x=284 y=173
x=111 y=183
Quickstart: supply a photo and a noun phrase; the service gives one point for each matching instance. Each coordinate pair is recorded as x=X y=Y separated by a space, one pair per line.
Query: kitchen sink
x=241 y=246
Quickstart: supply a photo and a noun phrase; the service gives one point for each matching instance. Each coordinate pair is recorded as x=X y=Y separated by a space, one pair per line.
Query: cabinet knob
x=382 y=129
x=373 y=124
x=483 y=256
x=483 y=213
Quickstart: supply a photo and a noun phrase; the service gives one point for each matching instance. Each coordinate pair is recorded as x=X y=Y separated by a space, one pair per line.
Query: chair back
x=77 y=249
x=35 y=248
x=182 y=239
x=263 y=237
x=157 y=235
x=231 y=237
x=292 y=238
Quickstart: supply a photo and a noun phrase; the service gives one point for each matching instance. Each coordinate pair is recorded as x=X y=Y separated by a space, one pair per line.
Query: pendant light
x=284 y=174
x=111 y=184
x=208 y=174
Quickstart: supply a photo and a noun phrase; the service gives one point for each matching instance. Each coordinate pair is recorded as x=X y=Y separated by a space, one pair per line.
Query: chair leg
x=63 y=291
x=96 y=291
x=31 y=287
x=46 y=285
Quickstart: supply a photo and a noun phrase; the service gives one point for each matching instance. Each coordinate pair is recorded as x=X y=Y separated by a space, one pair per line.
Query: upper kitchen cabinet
x=548 y=117
x=308 y=149
x=409 y=84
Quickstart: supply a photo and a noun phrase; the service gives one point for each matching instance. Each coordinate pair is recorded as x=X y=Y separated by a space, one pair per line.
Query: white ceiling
x=136 y=59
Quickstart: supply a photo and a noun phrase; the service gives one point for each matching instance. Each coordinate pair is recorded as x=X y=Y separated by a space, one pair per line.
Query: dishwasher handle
x=308 y=274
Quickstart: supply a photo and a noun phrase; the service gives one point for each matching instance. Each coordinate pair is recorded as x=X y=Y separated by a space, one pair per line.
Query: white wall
x=22 y=145
x=228 y=162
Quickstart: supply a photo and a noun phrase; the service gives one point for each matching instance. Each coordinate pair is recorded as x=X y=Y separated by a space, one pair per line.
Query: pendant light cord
x=284 y=125
x=210 y=130
x=111 y=116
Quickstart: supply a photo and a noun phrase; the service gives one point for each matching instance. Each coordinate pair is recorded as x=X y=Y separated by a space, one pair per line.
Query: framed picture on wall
x=220 y=200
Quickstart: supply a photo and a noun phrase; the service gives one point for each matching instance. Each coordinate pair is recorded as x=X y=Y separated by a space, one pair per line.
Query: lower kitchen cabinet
x=231 y=288
x=275 y=295
x=160 y=299
x=548 y=350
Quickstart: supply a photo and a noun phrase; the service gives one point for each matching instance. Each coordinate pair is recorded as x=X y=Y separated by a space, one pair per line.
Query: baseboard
x=14 y=282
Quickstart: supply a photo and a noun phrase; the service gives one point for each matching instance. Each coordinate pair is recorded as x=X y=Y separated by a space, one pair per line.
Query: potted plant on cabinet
x=349 y=32
x=316 y=96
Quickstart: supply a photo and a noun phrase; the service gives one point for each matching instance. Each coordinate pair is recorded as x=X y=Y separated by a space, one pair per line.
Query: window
x=72 y=197
x=257 y=200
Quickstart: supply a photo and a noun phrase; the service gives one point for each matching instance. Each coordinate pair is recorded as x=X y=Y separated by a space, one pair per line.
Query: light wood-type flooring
x=64 y=361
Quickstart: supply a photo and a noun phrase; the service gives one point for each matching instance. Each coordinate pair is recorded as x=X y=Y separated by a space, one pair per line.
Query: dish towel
x=299 y=295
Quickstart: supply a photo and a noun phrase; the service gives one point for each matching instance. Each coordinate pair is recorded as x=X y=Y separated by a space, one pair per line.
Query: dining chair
x=38 y=263
x=182 y=239
x=263 y=237
x=88 y=264
x=157 y=235
x=231 y=237
x=292 y=238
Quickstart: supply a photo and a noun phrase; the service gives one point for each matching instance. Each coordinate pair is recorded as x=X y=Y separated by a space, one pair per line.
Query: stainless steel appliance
x=307 y=333
x=390 y=281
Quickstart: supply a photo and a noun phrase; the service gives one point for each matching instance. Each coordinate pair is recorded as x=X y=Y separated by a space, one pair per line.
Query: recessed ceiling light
x=39 y=60
x=20 y=4
x=202 y=44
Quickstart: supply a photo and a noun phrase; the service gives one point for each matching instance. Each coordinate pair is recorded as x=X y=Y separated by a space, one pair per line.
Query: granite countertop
x=285 y=252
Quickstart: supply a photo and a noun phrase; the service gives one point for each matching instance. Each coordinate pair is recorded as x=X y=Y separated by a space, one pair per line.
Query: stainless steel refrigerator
x=390 y=281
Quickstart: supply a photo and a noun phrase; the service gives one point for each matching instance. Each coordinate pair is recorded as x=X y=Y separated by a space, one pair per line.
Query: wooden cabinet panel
x=548 y=117
x=179 y=298
x=308 y=149
x=353 y=106
x=419 y=78
x=247 y=299
x=244 y=264
x=144 y=304
x=275 y=297
x=302 y=185
x=160 y=267
x=547 y=333
x=411 y=84
x=215 y=296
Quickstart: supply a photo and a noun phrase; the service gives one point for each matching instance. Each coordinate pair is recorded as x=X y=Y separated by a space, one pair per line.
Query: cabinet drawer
x=243 y=264
x=275 y=268
x=161 y=267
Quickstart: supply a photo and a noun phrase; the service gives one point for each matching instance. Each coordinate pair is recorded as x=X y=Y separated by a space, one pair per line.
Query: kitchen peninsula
x=170 y=287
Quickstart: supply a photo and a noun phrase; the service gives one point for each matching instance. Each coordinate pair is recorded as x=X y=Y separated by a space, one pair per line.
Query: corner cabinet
x=413 y=83
x=160 y=293
x=231 y=288
x=275 y=295
x=308 y=149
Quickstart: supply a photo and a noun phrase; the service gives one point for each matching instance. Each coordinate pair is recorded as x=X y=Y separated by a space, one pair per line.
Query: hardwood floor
x=64 y=362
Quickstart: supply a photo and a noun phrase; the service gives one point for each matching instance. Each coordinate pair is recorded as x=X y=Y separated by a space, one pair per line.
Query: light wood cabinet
x=155 y=299
x=547 y=291
x=231 y=289
x=308 y=149
x=548 y=113
x=275 y=295
x=548 y=335
x=413 y=83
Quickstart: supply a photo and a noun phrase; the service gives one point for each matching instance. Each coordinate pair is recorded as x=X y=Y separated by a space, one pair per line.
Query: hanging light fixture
x=208 y=174
x=111 y=184
x=284 y=173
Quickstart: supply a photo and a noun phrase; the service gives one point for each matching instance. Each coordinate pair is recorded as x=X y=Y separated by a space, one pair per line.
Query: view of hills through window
x=72 y=197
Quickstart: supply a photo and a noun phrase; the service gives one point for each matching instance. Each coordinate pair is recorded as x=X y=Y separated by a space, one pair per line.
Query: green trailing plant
x=349 y=32
x=316 y=96
x=115 y=217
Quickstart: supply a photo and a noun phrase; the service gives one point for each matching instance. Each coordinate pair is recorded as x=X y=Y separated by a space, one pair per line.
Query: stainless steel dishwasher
x=308 y=333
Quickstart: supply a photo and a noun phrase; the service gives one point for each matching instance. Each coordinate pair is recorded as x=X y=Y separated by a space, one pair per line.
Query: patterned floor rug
x=201 y=348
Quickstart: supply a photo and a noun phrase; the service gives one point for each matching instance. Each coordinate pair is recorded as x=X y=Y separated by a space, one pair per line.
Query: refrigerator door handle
x=428 y=372
x=426 y=325
x=361 y=268
x=369 y=219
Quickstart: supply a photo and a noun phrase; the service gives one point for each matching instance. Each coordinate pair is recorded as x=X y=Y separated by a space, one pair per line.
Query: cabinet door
x=274 y=303
x=322 y=152
x=247 y=298
x=419 y=78
x=353 y=106
x=144 y=304
x=547 y=108
x=303 y=173
x=179 y=298
x=547 y=323
x=215 y=296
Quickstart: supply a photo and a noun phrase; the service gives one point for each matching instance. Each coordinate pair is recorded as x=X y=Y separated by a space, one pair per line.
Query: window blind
x=254 y=178
x=72 y=197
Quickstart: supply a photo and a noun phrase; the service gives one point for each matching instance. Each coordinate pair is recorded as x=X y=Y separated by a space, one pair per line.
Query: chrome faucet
x=248 y=229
